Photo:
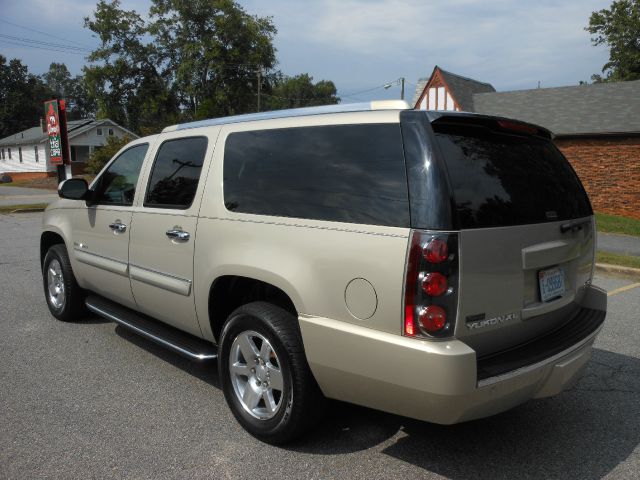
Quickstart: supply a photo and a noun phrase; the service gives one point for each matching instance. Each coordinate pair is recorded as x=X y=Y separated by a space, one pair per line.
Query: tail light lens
x=431 y=285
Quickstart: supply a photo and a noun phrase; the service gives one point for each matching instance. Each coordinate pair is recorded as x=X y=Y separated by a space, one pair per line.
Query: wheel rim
x=55 y=284
x=256 y=375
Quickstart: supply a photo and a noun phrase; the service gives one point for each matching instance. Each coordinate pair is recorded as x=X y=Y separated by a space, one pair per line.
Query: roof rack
x=295 y=112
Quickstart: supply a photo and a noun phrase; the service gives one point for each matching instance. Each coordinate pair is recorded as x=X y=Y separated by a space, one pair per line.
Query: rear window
x=502 y=179
x=341 y=173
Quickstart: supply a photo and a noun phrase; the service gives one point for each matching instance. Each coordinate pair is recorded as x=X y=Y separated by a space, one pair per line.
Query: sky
x=361 y=45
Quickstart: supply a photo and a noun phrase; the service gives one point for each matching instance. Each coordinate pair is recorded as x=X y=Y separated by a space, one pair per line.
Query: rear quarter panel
x=311 y=261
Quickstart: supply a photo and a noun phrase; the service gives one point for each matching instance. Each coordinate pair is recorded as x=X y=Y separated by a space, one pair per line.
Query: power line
x=43 y=33
x=39 y=47
x=43 y=43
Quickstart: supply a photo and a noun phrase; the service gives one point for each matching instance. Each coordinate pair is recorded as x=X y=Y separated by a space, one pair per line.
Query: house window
x=98 y=131
x=35 y=151
x=2 y=154
x=111 y=131
x=9 y=153
x=20 y=154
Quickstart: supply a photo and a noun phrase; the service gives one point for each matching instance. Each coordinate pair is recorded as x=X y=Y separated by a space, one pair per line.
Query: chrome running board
x=182 y=343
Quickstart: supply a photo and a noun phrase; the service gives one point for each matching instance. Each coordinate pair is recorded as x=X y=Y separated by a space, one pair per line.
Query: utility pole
x=259 y=86
x=402 y=89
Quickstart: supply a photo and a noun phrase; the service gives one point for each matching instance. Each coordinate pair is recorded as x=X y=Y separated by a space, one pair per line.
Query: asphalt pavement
x=91 y=400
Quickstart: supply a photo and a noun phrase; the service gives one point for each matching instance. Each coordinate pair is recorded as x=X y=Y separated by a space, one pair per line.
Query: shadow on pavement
x=582 y=434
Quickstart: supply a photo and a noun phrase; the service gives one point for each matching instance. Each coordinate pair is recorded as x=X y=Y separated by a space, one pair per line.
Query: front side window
x=117 y=185
x=340 y=173
x=35 y=151
x=20 y=154
x=176 y=172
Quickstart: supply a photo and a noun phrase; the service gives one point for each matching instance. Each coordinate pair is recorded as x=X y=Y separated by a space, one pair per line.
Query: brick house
x=26 y=154
x=597 y=127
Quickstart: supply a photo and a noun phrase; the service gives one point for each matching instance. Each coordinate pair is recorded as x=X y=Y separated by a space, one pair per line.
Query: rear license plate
x=551 y=283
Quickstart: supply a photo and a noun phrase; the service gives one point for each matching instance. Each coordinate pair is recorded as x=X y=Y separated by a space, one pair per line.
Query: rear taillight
x=430 y=297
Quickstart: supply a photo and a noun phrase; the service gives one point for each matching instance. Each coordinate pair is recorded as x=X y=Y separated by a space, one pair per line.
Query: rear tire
x=64 y=296
x=265 y=376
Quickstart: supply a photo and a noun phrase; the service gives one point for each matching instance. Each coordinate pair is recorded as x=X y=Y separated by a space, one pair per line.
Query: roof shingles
x=601 y=108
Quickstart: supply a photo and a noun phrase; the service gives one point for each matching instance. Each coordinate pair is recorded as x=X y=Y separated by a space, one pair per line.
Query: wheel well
x=230 y=292
x=47 y=240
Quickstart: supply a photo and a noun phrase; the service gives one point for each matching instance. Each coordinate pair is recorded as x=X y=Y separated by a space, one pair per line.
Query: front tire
x=65 y=298
x=264 y=373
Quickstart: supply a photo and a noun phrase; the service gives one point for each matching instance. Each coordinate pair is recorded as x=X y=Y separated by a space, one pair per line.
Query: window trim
x=153 y=165
x=98 y=179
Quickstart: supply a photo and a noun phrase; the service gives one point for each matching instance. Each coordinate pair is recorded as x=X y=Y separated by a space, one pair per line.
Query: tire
x=272 y=394
x=64 y=296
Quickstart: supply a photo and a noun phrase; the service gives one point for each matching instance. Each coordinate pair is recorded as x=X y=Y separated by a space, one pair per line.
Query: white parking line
x=623 y=289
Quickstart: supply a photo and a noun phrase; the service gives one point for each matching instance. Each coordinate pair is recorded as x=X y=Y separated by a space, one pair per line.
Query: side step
x=182 y=343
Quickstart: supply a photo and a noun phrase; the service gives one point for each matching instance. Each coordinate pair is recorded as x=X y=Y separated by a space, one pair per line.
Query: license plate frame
x=551 y=282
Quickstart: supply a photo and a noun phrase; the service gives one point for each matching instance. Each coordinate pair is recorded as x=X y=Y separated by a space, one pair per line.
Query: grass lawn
x=11 y=208
x=617 y=259
x=48 y=183
x=617 y=224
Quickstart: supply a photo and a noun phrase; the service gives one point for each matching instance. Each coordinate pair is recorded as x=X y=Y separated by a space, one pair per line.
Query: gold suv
x=436 y=265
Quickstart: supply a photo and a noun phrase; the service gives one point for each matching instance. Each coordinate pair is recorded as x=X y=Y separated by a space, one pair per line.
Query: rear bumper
x=434 y=381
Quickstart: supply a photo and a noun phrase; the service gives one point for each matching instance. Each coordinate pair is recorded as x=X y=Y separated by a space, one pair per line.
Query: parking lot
x=90 y=399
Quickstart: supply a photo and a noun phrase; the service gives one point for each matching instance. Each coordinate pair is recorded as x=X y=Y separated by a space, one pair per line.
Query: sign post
x=55 y=116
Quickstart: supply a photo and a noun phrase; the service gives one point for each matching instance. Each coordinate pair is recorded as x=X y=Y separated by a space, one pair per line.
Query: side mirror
x=73 y=189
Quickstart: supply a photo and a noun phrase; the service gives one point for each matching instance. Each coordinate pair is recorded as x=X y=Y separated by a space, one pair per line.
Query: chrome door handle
x=118 y=227
x=180 y=235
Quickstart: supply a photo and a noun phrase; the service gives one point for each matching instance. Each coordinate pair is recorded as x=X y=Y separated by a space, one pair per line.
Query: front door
x=101 y=231
x=163 y=234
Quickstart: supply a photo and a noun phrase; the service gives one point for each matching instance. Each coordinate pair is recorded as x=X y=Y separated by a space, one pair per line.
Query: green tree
x=214 y=50
x=299 y=91
x=21 y=97
x=125 y=77
x=58 y=79
x=73 y=90
x=102 y=155
x=619 y=28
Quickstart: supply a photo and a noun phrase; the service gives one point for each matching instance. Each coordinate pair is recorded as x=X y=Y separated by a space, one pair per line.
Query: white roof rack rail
x=295 y=112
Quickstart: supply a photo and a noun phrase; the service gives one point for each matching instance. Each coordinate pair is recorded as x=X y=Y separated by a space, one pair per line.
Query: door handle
x=118 y=227
x=179 y=235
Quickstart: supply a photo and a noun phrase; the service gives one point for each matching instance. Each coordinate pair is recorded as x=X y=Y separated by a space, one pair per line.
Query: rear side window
x=176 y=172
x=502 y=179
x=342 y=173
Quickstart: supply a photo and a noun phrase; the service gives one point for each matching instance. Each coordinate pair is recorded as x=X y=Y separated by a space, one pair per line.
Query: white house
x=26 y=153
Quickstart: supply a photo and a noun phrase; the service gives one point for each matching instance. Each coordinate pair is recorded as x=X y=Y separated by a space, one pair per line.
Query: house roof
x=462 y=89
x=601 y=108
x=422 y=83
x=34 y=135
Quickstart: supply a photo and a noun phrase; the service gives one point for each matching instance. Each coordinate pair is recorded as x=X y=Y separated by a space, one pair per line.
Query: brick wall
x=609 y=169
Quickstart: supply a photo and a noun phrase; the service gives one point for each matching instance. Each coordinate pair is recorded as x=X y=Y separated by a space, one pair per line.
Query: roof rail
x=295 y=112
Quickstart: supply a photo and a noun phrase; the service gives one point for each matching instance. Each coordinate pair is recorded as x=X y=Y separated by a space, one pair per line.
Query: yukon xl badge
x=479 y=321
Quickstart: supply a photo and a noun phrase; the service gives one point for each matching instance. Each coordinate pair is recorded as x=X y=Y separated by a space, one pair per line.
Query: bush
x=102 y=155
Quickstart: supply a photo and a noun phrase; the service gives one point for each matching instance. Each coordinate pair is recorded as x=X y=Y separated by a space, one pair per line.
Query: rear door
x=163 y=233
x=526 y=231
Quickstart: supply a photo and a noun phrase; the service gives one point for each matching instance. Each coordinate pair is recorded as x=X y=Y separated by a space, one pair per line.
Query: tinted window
x=346 y=173
x=176 y=172
x=117 y=185
x=502 y=179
